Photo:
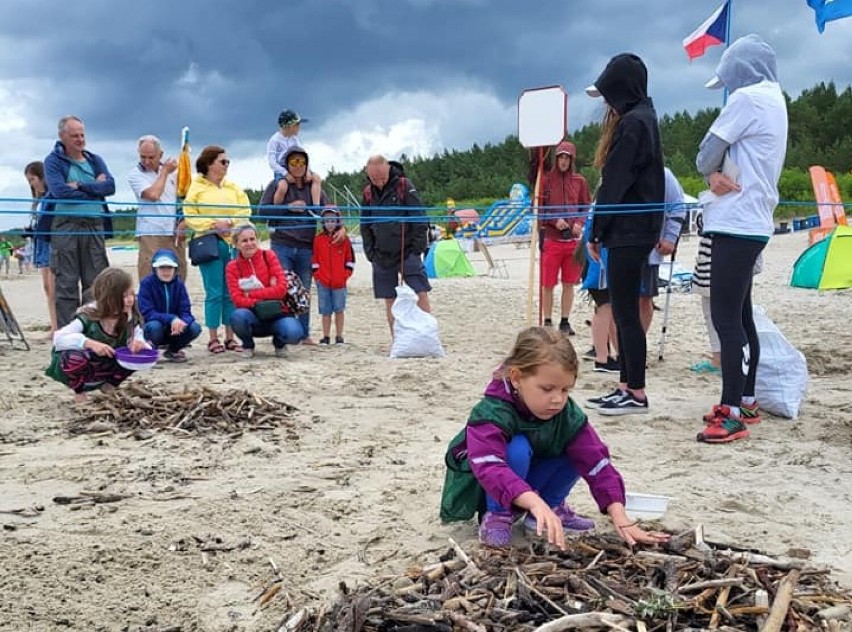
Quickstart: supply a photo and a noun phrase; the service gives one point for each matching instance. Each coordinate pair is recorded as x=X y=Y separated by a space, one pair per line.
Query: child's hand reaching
x=630 y=531
x=99 y=348
x=136 y=346
x=547 y=523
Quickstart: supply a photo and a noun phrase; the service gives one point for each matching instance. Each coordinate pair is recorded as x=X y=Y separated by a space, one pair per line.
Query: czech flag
x=828 y=10
x=712 y=32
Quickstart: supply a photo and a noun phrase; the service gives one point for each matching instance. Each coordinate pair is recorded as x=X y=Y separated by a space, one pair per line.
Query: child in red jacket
x=333 y=264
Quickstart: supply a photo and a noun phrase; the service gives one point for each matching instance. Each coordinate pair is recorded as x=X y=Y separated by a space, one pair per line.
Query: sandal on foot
x=704 y=367
x=232 y=345
x=214 y=346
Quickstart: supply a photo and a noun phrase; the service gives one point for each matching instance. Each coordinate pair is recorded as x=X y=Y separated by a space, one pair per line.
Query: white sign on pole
x=542 y=116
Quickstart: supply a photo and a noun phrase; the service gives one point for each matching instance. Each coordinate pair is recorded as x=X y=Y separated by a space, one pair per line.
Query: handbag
x=204 y=248
x=298 y=299
x=268 y=309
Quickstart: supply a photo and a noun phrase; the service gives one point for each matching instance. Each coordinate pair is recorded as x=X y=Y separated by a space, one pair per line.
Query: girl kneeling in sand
x=84 y=350
x=525 y=445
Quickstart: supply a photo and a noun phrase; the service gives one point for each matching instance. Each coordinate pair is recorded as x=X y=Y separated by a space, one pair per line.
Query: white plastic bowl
x=646 y=506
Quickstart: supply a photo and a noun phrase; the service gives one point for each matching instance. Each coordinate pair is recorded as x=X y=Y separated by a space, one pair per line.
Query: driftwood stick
x=585 y=621
x=761 y=600
x=464 y=623
x=778 y=612
x=722 y=600
x=526 y=582
x=463 y=556
x=595 y=561
x=712 y=583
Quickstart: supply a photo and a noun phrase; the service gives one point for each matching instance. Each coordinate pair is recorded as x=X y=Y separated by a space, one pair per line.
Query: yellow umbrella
x=184 y=171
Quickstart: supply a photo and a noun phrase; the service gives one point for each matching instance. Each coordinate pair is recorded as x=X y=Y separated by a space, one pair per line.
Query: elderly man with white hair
x=158 y=223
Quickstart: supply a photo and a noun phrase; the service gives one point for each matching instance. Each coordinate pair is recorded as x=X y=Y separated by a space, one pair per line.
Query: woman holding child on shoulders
x=257 y=286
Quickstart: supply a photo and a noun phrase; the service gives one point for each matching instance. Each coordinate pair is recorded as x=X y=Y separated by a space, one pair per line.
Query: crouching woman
x=257 y=286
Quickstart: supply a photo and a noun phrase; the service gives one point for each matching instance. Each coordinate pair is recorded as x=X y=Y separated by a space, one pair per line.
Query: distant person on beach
x=159 y=224
x=166 y=308
x=394 y=248
x=6 y=249
x=525 y=446
x=565 y=196
x=295 y=225
x=79 y=182
x=741 y=157
x=34 y=173
x=287 y=137
x=674 y=216
x=214 y=205
x=627 y=216
x=84 y=349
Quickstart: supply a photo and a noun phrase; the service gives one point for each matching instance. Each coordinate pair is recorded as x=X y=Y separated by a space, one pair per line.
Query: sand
x=357 y=494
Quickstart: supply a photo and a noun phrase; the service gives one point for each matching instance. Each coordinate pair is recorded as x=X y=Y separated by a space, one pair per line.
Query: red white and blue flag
x=712 y=32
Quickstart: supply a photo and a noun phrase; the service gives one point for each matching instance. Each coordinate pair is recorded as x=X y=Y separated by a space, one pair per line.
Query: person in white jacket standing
x=741 y=157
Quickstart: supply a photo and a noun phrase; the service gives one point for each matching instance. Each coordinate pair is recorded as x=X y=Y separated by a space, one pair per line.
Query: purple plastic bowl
x=141 y=361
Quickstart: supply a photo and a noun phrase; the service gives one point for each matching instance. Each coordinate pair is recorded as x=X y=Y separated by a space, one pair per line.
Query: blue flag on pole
x=828 y=10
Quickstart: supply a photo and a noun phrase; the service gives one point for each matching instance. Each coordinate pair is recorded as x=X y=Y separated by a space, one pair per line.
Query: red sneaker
x=724 y=428
x=713 y=415
x=750 y=413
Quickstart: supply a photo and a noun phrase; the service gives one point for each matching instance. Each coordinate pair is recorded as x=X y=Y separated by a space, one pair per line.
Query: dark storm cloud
x=226 y=68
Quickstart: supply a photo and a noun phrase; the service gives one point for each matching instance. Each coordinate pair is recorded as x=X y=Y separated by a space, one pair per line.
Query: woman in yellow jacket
x=209 y=189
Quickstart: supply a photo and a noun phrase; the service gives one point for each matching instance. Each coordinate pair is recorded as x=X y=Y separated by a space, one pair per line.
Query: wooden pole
x=783 y=596
x=534 y=241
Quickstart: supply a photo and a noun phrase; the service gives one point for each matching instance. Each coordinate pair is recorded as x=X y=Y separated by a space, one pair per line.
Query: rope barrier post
x=534 y=243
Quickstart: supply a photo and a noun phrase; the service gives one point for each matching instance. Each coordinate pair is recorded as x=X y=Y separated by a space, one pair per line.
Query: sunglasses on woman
x=297 y=162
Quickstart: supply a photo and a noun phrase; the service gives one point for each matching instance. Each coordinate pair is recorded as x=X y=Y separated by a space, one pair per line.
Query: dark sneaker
x=724 y=428
x=571 y=522
x=338 y=340
x=625 y=404
x=548 y=322
x=610 y=366
x=750 y=413
x=175 y=356
x=496 y=529
x=590 y=354
x=325 y=340
x=597 y=402
x=565 y=328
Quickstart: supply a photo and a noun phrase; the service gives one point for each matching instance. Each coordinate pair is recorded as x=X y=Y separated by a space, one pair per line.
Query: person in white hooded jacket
x=741 y=157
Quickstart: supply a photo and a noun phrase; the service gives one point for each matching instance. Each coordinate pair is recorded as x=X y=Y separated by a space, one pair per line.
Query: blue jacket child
x=165 y=307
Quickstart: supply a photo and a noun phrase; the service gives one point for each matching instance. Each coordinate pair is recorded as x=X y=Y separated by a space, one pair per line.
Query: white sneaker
x=248 y=353
x=281 y=352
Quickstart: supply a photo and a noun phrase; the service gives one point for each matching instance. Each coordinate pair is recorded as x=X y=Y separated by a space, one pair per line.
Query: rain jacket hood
x=566 y=147
x=748 y=61
x=624 y=82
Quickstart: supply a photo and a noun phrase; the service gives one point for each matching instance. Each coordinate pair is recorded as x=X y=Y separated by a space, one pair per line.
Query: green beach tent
x=447 y=259
x=827 y=264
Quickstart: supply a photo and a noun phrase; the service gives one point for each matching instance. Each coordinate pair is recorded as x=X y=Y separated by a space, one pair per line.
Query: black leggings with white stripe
x=732 y=269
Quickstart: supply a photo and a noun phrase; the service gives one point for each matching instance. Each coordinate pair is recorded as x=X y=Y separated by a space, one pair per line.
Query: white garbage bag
x=782 y=373
x=415 y=333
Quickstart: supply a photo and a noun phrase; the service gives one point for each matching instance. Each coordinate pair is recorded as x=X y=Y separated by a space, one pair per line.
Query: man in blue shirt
x=79 y=182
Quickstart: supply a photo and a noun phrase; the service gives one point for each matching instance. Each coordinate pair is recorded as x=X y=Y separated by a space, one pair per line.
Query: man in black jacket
x=392 y=246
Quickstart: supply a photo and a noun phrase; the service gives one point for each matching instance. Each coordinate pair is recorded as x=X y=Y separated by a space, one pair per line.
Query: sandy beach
x=356 y=493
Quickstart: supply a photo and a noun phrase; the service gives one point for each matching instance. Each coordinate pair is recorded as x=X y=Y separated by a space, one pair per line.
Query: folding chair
x=496 y=269
x=9 y=325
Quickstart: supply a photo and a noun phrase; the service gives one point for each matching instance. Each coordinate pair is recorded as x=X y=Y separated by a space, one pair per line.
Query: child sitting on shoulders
x=287 y=137
x=165 y=306
x=333 y=264
x=84 y=350
x=525 y=445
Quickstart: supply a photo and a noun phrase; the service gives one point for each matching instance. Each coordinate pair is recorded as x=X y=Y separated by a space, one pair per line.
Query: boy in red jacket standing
x=333 y=264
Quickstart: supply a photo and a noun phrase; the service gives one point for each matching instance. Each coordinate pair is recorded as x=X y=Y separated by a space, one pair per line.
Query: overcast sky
x=373 y=76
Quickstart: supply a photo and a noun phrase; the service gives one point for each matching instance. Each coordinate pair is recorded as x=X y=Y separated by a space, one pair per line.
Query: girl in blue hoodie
x=165 y=306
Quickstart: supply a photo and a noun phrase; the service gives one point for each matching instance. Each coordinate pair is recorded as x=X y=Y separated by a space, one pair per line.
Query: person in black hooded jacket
x=628 y=214
x=394 y=247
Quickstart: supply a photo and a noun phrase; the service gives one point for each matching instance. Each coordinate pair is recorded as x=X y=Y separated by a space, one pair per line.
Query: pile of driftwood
x=596 y=584
x=142 y=409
